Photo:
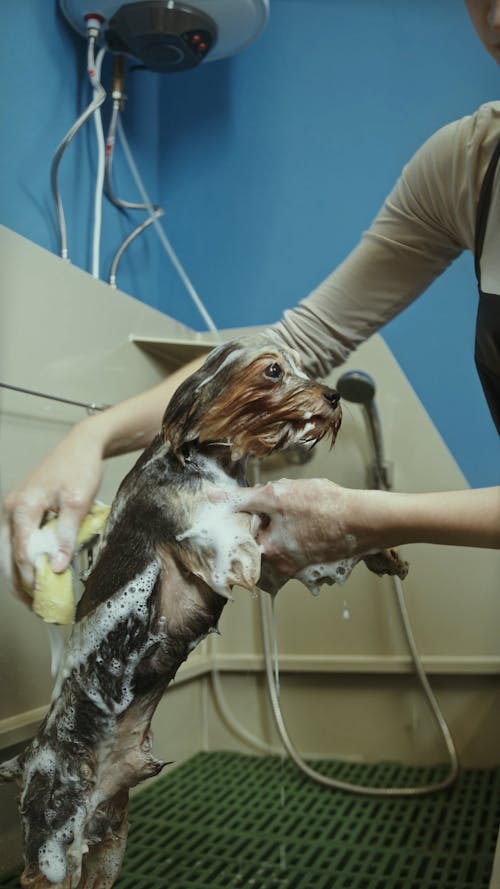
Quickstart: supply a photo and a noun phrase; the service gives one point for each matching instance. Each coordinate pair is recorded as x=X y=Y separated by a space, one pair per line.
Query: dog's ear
x=188 y=405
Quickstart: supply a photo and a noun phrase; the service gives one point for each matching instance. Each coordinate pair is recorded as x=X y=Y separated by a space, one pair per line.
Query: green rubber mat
x=229 y=821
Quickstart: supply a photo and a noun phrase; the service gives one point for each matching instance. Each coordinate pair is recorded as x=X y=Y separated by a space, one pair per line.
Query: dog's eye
x=274 y=371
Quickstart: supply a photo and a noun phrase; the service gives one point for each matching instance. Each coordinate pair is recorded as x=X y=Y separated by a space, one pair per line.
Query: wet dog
x=166 y=565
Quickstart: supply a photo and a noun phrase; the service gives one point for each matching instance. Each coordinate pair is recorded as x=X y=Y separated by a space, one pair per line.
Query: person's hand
x=65 y=483
x=313 y=522
x=306 y=522
x=68 y=478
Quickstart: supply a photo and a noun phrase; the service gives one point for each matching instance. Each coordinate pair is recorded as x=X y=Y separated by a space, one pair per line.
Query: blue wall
x=269 y=166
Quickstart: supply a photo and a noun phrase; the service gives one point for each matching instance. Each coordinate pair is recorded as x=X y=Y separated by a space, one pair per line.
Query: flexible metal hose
x=118 y=98
x=417 y=663
x=360 y=789
x=295 y=756
x=127 y=242
x=98 y=99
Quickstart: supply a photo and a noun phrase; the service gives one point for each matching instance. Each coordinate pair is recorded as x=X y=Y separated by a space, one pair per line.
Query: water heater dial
x=164 y=38
x=166 y=35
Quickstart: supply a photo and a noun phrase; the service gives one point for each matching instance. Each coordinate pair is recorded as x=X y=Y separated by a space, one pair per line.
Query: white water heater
x=165 y=35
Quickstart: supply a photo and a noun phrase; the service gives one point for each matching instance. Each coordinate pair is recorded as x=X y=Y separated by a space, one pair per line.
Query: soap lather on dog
x=158 y=585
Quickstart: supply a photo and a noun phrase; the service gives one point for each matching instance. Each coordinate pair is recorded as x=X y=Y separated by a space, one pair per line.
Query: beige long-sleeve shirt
x=426 y=222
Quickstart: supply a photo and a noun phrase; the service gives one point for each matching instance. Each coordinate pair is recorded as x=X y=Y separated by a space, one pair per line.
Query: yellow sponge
x=53 y=594
x=93 y=524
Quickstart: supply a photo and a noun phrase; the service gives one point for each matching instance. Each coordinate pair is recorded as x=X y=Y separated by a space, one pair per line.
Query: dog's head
x=255 y=400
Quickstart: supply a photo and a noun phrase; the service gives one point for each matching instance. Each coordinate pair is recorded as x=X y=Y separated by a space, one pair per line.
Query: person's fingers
x=245 y=500
x=72 y=511
x=8 y=569
x=259 y=499
x=219 y=495
x=25 y=517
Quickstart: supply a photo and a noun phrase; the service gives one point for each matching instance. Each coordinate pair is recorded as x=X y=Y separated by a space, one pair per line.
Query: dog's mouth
x=269 y=437
x=311 y=430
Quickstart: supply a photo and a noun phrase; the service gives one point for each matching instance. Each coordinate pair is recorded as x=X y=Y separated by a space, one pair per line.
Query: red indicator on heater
x=196 y=38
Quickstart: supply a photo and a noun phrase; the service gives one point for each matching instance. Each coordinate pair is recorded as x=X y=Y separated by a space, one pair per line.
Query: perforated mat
x=229 y=821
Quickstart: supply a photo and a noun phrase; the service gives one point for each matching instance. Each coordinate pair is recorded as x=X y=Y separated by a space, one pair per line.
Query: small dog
x=164 y=569
x=171 y=552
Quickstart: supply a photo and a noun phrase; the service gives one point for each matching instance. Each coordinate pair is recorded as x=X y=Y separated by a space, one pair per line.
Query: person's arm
x=67 y=480
x=425 y=222
x=458 y=518
x=412 y=240
x=314 y=520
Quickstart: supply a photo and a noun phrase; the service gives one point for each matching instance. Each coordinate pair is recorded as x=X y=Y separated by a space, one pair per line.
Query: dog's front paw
x=387 y=562
x=220 y=548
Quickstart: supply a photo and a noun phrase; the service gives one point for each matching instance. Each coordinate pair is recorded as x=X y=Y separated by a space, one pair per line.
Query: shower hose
x=270 y=645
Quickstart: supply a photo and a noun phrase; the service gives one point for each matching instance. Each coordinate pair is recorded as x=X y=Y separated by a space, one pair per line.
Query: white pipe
x=54 y=175
x=94 y=70
x=161 y=231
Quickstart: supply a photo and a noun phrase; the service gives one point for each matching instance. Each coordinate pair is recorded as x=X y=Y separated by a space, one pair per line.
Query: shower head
x=357 y=386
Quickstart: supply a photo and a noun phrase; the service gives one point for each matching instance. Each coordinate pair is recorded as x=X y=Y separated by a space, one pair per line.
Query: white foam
x=225 y=537
x=44 y=761
x=308 y=427
x=307 y=434
x=56 y=642
x=51 y=856
x=65 y=843
x=42 y=541
x=313 y=576
x=52 y=860
x=85 y=640
x=89 y=633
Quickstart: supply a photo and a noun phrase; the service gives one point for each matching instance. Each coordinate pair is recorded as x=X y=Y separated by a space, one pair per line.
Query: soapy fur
x=164 y=569
x=295 y=536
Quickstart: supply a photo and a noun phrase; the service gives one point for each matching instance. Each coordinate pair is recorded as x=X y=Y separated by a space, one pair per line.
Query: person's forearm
x=130 y=425
x=459 y=518
x=68 y=478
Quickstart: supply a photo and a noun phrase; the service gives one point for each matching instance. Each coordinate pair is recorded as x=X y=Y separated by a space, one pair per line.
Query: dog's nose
x=332 y=396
